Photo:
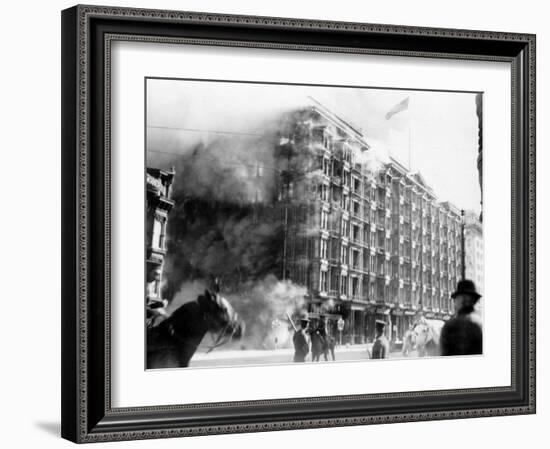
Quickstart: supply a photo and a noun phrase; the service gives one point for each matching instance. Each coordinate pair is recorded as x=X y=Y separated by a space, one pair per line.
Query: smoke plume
x=226 y=229
x=264 y=306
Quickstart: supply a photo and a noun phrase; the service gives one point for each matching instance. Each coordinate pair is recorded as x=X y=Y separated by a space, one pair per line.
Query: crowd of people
x=314 y=337
x=460 y=335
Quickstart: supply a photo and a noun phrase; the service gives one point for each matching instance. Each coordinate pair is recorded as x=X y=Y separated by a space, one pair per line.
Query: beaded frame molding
x=87 y=34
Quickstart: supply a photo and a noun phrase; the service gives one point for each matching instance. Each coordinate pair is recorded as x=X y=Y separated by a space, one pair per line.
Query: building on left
x=158 y=205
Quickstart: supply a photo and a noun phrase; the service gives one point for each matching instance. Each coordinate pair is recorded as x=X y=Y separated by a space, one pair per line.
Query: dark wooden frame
x=87 y=32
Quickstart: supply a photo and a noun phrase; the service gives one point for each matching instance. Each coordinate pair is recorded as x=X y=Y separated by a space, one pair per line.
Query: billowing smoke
x=235 y=170
x=374 y=159
x=226 y=229
x=327 y=306
x=264 y=305
x=221 y=244
x=188 y=291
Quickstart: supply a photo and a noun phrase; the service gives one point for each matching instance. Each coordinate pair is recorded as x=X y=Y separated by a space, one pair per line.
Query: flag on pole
x=401 y=106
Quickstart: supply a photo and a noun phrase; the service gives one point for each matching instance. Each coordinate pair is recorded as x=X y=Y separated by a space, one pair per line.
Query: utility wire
x=209 y=131
x=240 y=164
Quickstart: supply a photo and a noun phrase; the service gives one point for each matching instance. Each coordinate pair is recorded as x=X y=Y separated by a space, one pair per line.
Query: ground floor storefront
x=360 y=328
x=352 y=324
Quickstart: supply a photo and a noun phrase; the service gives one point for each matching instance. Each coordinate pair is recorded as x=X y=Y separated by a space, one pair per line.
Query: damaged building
x=303 y=202
x=368 y=242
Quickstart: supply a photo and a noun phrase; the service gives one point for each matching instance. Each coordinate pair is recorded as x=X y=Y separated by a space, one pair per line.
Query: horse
x=173 y=342
x=426 y=337
x=321 y=345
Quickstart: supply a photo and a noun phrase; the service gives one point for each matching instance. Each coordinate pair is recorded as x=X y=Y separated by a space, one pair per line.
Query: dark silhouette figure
x=321 y=342
x=173 y=342
x=462 y=334
x=301 y=341
x=381 y=346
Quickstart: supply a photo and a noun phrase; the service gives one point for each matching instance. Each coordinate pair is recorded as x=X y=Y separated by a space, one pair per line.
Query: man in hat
x=301 y=340
x=462 y=334
x=322 y=333
x=381 y=346
x=327 y=342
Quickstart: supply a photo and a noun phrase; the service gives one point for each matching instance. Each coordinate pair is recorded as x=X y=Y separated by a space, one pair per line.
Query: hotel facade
x=369 y=240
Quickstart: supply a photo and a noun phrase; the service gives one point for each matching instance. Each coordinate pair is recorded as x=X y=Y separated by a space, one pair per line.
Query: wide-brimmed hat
x=466 y=287
x=303 y=317
x=380 y=323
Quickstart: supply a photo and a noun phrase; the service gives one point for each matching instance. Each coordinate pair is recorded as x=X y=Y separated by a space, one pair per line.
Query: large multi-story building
x=368 y=244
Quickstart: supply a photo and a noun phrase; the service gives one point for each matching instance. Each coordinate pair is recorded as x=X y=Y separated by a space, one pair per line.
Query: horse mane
x=174 y=341
x=185 y=319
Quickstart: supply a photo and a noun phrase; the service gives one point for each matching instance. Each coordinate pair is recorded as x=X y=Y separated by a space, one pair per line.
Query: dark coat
x=301 y=345
x=381 y=348
x=461 y=335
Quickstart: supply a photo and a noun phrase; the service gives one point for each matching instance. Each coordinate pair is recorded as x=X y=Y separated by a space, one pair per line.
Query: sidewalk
x=218 y=354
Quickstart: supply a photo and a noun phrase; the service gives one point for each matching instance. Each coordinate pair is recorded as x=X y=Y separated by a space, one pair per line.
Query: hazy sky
x=439 y=129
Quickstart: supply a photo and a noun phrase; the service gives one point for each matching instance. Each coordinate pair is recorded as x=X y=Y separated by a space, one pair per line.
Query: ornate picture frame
x=88 y=33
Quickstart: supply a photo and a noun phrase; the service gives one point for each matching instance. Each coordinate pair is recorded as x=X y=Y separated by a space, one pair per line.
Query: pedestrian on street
x=462 y=334
x=408 y=341
x=301 y=340
x=381 y=346
x=329 y=342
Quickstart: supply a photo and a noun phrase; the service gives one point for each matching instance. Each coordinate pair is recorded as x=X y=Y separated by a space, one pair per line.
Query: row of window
x=360 y=259
x=158 y=235
x=335 y=283
x=364 y=234
x=367 y=190
x=345 y=150
x=383 y=216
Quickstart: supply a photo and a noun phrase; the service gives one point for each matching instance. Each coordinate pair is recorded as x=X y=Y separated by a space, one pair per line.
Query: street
x=275 y=356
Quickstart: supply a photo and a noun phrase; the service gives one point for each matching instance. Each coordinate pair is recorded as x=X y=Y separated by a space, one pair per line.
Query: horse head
x=174 y=341
x=220 y=317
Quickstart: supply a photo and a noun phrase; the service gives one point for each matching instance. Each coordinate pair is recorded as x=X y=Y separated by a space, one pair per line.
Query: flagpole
x=401 y=106
x=409 y=111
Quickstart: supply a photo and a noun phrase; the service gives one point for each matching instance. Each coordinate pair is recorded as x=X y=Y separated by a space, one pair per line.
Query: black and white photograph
x=283 y=221
x=290 y=223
